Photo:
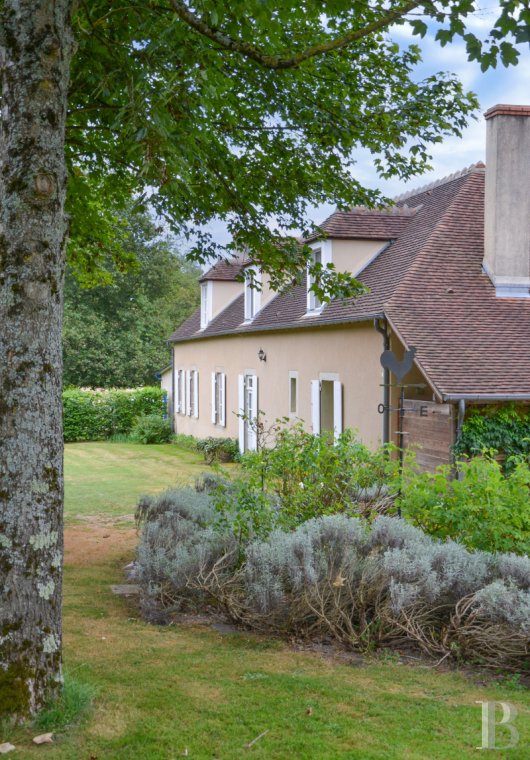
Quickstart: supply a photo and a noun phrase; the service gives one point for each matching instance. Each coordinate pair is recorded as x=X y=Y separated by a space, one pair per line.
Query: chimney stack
x=507 y=200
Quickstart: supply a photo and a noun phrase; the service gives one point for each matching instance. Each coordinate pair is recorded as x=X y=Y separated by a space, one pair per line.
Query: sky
x=499 y=85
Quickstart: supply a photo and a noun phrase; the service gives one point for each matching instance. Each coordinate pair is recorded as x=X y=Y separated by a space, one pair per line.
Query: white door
x=248 y=412
x=251 y=412
x=241 y=411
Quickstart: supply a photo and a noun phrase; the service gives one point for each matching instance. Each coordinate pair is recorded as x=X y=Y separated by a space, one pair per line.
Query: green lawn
x=165 y=692
x=106 y=479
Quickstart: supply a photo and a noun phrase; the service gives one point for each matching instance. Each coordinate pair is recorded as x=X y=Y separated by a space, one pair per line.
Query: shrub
x=306 y=476
x=218 y=449
x=365 y=584
x=249 y=512
x=390 y=583
x=483 y=508
x=94 y=415
x=178 y=546
x=151 y=428
x=87 y=415
x=184 y=441
x=128 y=405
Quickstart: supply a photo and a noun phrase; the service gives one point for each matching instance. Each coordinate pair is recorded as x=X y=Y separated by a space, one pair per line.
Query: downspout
x=460 y=418
x=386 y=379
x=459 y=425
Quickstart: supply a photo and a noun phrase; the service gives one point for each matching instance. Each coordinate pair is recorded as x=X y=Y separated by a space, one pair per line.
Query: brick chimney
x=507 y=201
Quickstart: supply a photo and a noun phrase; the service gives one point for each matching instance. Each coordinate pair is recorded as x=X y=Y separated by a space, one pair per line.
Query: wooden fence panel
x=429 y=431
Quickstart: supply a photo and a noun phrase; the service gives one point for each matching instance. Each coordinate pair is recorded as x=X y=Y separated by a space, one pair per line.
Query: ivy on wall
x=496 y=429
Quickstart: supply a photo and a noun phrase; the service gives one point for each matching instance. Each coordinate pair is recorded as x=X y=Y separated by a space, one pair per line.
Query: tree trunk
x=36 y=43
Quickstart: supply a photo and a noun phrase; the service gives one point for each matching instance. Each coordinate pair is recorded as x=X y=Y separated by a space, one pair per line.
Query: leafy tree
x=239 y=109
x=115 y=333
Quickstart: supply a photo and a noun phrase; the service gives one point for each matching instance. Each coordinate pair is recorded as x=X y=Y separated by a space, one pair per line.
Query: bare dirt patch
x=95 y=544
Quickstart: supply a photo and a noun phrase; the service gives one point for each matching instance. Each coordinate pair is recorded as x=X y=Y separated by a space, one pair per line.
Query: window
x=206 y=304
x=313 y=302
x=219 y=398
x=320 y=256
x=192 y=409
x=252 y=294
x=180 y=392
x=293 y=394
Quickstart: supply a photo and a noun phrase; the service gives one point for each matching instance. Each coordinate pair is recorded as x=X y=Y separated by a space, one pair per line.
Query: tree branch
x=291 y=62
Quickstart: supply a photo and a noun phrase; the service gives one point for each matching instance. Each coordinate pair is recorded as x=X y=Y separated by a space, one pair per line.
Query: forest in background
x=116 y=325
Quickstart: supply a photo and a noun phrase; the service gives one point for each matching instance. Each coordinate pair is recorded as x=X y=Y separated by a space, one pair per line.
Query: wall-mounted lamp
x=262 y=356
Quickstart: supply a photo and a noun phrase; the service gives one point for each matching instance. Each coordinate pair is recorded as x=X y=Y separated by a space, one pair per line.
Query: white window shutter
x=337 y=408
x=180 y=392
x=241 y=411
x=222 y=400
x=315 y=406
x=252 y=436
x=214 y=399
x=177 y=390
x=196 y=393
x=188 y=393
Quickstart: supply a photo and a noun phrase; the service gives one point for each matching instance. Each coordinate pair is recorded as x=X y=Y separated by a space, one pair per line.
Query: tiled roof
x=468 y=340
x=366 y=224
x=430 y=284
x=223 y=270
x=381 y=277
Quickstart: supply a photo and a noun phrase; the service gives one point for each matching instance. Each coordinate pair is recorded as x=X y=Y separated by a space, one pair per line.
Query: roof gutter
x=486 y=396
x=282 y=327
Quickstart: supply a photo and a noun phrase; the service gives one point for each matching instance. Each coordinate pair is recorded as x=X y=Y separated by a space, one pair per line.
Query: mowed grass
x=106 y=479
x=188 y=691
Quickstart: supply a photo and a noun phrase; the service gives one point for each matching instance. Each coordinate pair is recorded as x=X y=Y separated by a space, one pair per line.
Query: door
x=248 y=412
x=326 y=407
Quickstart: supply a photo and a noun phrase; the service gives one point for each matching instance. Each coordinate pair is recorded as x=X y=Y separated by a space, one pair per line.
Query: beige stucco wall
x=223 y=293
x=354 y=255
x=352 y=352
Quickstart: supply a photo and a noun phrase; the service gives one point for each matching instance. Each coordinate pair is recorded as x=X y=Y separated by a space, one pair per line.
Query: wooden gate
x=429 y=431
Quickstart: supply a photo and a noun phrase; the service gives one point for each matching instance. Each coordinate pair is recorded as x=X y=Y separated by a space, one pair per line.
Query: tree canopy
x=115 y=332
x=251 y=112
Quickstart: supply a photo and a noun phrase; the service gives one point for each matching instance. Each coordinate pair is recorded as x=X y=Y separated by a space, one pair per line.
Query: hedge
x=94 y=415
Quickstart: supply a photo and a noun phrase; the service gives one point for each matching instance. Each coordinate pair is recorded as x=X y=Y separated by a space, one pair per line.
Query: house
x=448 y=272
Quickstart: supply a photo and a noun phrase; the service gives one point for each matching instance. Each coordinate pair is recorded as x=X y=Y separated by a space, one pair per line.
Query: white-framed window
x=206 y=303
x=252 y=293
x=180 y=392
x=320 y=255
x=192 y=383
x=219 y=398
x=293 y=394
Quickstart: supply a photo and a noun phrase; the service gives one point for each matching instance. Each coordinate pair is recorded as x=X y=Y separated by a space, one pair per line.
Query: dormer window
x=252 y=294
x=206 y=304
